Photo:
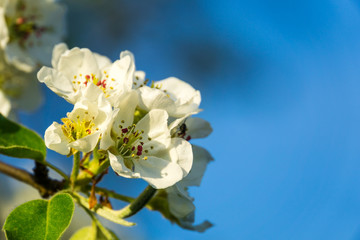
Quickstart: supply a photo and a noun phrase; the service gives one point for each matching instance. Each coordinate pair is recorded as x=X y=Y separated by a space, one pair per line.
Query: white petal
x=123 y=71
x=139 y=78
x=186 y=98
x=56 y=140
x=125 y=116
x=86 y=144
x=117 y=164
x=15 y=55
x=58 y=83
x=82 y=106
x=184 y=154
x=201 y=158
x=58 y=50
x=92 y=93
x=78 y=61
x=5 y=105
x=158 y=172
x=4 y=34
x=181 y=91
x=188 y=223
x=151 y=98
x=179 y=205
x=154 y=125
x=106 y=140
x=198 y=128
x=102 y=61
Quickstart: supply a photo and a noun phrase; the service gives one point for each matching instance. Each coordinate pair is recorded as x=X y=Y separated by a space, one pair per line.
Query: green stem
x=138 y=204
x=75 y=170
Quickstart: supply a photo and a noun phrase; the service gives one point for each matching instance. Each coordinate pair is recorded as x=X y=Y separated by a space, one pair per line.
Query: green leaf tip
x=20 y=142
x=40 y=219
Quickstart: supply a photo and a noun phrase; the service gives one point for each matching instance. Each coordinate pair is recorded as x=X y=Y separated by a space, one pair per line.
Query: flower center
x=130 y=145
x=104 y=83
x=21 y=27
x=77 y=129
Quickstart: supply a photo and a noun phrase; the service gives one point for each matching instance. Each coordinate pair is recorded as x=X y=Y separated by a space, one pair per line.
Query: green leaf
x=92 y=233
x=20 y=142
x=40 y=219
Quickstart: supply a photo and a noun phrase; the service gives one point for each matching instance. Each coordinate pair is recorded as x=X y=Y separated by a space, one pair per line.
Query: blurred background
x=280 y=84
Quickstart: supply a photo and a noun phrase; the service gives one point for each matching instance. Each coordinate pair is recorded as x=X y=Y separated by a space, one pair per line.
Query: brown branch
x=45 y=190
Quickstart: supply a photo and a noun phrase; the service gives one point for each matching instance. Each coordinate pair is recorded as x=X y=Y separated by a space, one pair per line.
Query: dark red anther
x=103 y=84
x=133 y=148
x=139 y=153
x=85 y=83
x=139 y=148
x=126 y=140
x=188 y=138
x=124 y=130
x=87 y=77
x=98 y=83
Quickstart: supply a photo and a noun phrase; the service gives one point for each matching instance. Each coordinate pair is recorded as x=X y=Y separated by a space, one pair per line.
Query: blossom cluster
x=144 y=126
x=28 y=31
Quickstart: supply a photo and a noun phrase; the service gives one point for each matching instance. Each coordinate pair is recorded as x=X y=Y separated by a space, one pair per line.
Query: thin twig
x=28 y=178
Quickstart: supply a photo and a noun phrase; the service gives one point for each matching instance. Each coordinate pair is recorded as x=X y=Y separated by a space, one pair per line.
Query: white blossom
x=28 y=31
x=75 y=69
x=83 y=126
x=18 y=90
x=145 y=149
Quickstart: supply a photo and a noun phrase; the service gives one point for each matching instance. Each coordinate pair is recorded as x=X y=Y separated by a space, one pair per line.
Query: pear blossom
x=144 y=148
x=18 y=90
x=175 y=202
x=83 y=126
x=28 y=31
x=177 y=97
x=75 y=69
